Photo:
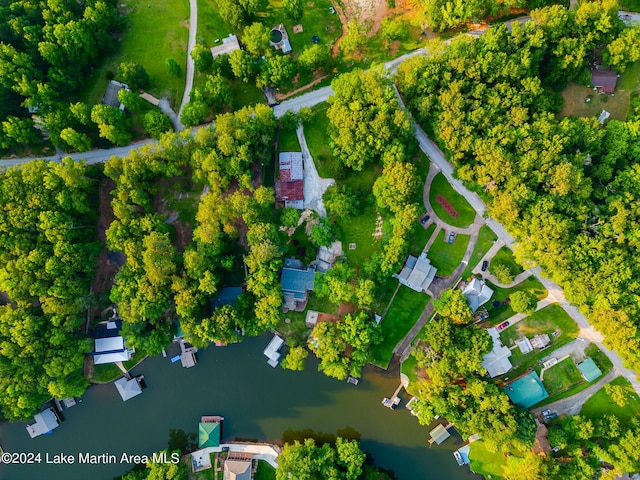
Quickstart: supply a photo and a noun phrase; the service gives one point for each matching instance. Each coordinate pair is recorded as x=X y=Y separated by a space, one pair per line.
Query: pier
x=394 y=400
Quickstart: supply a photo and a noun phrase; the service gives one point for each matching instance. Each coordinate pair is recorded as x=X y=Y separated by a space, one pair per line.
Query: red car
x=503 y=325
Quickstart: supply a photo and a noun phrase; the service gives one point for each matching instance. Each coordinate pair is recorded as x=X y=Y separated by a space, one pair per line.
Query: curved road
x=436 y=156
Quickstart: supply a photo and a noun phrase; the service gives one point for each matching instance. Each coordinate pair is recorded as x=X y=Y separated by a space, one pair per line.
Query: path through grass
x=405 y=310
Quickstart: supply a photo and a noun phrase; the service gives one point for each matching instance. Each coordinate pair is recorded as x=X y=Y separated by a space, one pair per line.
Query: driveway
x=193 y=28
x=314 y=185
x=572 y=405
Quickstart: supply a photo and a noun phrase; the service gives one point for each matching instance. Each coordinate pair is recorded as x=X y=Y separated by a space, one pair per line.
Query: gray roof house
x=110 y=97
x=128 y=388
x=229 y=44
x=296 y=285
x=477 y=293
x=497 y=362
x=417 y=273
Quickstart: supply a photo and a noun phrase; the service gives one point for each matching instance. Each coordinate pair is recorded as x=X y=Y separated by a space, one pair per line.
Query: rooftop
x=526 y=391
x=496 y=362
x=439 y=434
x=209 y=434
x=229 y=44
x=128 y=388
x=110 y=97
x=477 y=293
x=417 y=273
x=298 y=282
x=604 y=79
x=227 y=296
x=589 y=370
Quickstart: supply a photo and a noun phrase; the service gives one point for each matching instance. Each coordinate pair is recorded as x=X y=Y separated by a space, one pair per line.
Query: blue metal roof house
x=296 y=285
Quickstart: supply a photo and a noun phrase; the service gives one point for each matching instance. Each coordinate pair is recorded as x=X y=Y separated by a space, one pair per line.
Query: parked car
x=547 y=412
x=425 y=219
x=452 y=237
x=503 y=325
x=485 y=265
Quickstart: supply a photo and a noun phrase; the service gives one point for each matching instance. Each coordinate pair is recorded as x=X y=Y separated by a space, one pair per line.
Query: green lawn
x=211 y=26
x=155 y=31
x=562 y=377
x=359 y=230
x=499 y=314
x=466 y=214
x=601 y=404
x=420 y=238
x=575 y=103
x=316 y=20
x=315 y=132
x=630 y=78
x=446 y=256
x=486 y=237
x=108 y=372
x=402 y=315
x=599 y=357
x=264 y=471
x=288 y=140
x=505 y=256
x=409 y=367
x=485 y=462
x=245 y=94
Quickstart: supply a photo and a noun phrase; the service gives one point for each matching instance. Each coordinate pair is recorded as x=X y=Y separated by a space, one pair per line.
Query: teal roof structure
x=297 y=282
x=526 y=391
x=589 y=370
x=209 y=434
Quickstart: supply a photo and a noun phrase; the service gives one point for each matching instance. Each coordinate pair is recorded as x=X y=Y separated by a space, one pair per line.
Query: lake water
x=257 y=402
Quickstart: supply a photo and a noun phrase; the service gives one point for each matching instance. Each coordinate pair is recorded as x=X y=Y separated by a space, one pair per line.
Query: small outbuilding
x=110 y=97
x=128 y=388
x=209 y=431
x=439 y=434
x=589 y=370
x=540 y=341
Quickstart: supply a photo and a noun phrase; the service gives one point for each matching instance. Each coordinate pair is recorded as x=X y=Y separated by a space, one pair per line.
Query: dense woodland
x=47 y=265
x=566 y=188
x=46 y=52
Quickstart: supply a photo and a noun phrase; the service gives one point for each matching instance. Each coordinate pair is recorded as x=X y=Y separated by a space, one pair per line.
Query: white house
x=477 y=293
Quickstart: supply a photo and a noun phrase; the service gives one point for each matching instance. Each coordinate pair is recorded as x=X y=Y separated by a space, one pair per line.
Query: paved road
x=193 y=28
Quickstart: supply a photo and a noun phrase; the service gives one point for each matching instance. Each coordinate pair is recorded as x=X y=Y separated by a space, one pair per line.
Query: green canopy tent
x=209 y=434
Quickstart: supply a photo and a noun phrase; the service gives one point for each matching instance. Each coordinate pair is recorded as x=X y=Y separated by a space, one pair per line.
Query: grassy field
x=485 y=462
x=561 y=377
x=486 y=237
x=315 y=131
x=380 y=50
x=505 y=256
x=447 y=256
x=466 y=214
x=420 y=239
x=211 y=26
x=402 y=315
x=155 y=31
x=264 y=471
x=296 y=328
x=601 y=404
x=630 y=78
x=575 y=103
x=499 y=314
x=409 y=368
x=288 y=140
